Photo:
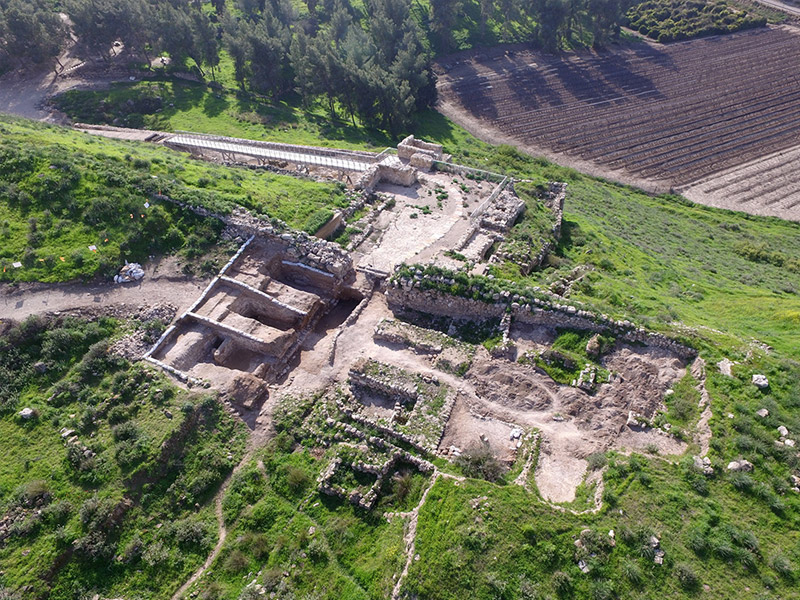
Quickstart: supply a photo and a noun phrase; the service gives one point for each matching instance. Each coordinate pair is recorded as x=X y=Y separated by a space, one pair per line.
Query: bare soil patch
x=652 y=114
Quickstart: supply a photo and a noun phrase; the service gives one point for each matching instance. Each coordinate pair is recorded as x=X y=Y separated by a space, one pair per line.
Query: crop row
x=675 y=113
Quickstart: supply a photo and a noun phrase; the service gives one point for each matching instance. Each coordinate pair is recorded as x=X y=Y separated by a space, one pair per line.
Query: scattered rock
x=760 y=381
x=593 y=345
x=740 y=465
x=790 y=443
x=703 y=464
x=724 y=367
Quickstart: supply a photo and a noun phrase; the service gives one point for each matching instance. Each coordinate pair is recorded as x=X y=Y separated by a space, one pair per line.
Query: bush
x=782 y=566
x=190 y=533
x=479 y=462
x=632 y=572
x=562 y=583
x=686 y=576
x=596 y=461
x=33 y=493
x=297 y=479
x=236 y=562
x=317 y=550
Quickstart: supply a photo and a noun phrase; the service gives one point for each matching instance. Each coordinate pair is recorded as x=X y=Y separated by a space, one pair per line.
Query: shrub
x=596 y=461
x=211 y=591
x=236 y=562
x=36 y=492
x=317 y=551
x=632 y=572
x=602 y=590
x=562 y=583
x=133 y=550
x=297 y=479
x=479 y=462
x=782 y=566
x=190 y=533
x=686 y=576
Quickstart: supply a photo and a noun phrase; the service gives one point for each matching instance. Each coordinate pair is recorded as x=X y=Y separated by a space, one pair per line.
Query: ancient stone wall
x=300 y=247
x=411 y=146
x=541 y=313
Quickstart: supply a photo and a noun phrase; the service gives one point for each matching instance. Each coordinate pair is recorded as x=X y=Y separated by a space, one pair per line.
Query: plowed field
x=669 y=114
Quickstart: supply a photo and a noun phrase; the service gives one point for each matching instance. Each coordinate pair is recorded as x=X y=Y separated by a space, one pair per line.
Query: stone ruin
x=252 y=319
x=412 y=154
x=420 y=154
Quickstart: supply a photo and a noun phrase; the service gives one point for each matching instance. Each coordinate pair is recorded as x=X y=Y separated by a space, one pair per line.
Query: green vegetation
x=532 y=231
x=64 y=192
x=568 y=356
x=661 y=261
x=672 y=20
x=106 y=488
x=511 y=547
x=175 y=105
x=302 y=543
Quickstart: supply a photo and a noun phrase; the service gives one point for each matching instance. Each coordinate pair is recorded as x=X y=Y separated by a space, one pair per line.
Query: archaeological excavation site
x=401 y=348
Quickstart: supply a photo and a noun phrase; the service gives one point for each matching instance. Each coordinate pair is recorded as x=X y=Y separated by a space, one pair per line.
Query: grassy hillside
x=106 y=488
x=64 y=191
x=727 y=279
x=657 y=259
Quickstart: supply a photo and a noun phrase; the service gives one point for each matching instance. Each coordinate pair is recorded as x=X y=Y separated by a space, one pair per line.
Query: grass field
x=724 y=278
x=65 y=191
x=121 y=484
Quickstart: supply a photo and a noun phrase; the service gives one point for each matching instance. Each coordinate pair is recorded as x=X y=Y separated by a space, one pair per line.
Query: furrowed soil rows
x=668 y=114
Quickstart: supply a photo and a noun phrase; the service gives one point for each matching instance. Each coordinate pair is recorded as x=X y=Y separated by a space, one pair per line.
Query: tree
x=443 y=19
x=32 y=31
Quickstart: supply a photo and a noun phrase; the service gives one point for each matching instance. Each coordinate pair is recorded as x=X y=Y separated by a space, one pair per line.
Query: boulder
x=724 y=367
x=40 y=367
x=783 y=431
x=740 y=465
x=760 y=381
x=762 y=412
x=27 y=413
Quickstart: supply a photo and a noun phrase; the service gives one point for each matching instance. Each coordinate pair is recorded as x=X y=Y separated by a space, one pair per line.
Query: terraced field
x=769 y=185
x=667 y=114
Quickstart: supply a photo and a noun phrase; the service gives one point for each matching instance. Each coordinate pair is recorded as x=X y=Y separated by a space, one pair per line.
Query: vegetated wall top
x=427 y=288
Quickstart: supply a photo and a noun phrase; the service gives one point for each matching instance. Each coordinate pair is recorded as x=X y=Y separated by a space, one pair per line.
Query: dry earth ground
x=653 y=115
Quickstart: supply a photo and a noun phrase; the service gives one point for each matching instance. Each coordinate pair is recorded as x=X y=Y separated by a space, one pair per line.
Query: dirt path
x=18 y=302
x=25 y=92
x=777 y=4
x=222 y=531
x=222 y=534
